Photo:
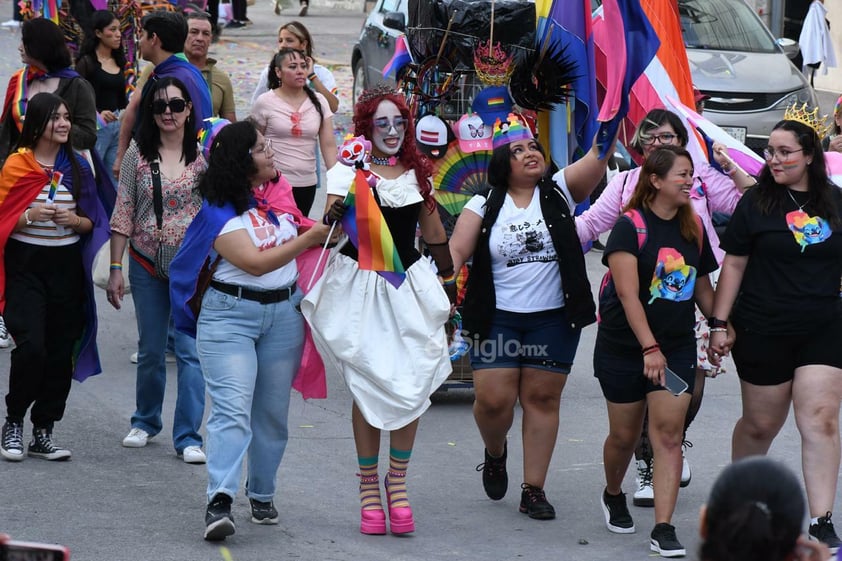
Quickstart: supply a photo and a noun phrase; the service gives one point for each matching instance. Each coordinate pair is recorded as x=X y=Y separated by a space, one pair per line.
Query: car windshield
x=727 y=25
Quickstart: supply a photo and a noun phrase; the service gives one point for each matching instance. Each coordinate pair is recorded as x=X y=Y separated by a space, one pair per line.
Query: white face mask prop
x=388 y=128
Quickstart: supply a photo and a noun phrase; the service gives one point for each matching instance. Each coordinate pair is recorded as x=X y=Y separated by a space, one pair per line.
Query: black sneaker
x=664 y=541
x=263 y=513
x=533 y=502
x=617 y=516
x=11 y=441
x=42 y=446
x=495 y=480
x=218 y=520
x=822 y=531
x=597 y=245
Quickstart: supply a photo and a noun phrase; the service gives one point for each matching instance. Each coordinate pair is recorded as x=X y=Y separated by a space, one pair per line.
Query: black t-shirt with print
x=667 y=268
x=791 y=281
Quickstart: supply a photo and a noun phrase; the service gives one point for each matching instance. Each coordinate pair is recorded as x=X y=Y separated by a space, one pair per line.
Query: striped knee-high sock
x=369 y=484
x=398 y=462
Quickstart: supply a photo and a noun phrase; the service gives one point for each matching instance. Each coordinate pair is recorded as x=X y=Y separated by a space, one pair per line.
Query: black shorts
x=621 y=375
x=769 y=360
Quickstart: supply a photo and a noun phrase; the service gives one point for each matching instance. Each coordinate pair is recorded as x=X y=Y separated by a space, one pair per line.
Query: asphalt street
x=111 y=503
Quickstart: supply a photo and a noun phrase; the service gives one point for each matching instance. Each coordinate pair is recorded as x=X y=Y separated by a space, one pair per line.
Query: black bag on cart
x=514 y=26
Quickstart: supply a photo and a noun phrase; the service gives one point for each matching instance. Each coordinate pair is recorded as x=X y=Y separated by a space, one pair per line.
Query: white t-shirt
x=524 y=261
x=265 y=235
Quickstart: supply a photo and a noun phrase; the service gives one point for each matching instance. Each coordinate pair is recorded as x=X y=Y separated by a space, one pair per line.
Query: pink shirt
x=716 y=192
x=294 y=134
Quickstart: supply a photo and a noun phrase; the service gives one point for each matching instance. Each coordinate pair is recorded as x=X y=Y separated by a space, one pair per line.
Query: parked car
x=385 y=22
x=737 y=62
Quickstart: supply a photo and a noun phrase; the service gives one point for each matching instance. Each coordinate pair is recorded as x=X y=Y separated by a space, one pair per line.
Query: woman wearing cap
x=529 y=291
x=387 y=339
x=294 y=118
x=712 y=192
x=756 y=511
x=784 y=259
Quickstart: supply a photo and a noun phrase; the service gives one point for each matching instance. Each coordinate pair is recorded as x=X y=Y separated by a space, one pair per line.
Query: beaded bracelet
x=718 y=330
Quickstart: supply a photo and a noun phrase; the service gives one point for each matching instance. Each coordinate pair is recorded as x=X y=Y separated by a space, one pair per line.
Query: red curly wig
x=410 y=157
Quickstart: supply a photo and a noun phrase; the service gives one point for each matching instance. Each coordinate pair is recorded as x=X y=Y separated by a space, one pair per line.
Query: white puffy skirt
x=389 y=344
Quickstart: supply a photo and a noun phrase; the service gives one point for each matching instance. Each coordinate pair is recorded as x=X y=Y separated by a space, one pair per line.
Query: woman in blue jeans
x=249 y=332
x=165 y=141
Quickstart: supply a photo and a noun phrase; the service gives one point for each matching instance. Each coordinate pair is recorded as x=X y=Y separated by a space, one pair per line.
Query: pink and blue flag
x=667 y=73
x=633 y=45
x=401 y=58
x=368 y=231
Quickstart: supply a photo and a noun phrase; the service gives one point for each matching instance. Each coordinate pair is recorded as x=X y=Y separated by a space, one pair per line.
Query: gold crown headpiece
x=809 y=118
x=494 y=67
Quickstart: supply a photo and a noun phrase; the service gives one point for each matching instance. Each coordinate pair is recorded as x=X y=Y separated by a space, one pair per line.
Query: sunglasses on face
x=383 y=123
x=176 y=105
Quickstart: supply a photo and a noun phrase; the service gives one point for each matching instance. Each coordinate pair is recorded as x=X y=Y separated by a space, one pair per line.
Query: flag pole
x=321 y=256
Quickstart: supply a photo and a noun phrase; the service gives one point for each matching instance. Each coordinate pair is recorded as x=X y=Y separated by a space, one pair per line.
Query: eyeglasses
x=295 y=117
x=383 y=123
x=782 y=153
x=664 y=138
x=176 y=105
x=267 y=149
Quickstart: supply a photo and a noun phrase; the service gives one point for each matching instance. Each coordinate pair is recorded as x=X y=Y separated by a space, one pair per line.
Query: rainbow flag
x=368 y=231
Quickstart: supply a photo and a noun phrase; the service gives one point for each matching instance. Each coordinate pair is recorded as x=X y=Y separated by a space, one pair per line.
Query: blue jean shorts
x=542 y=340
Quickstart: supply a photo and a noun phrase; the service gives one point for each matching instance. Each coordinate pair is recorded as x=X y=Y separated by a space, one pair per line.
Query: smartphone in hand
x=673 y=382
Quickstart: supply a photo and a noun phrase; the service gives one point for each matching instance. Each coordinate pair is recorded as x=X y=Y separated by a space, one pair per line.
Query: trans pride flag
x=368 y=231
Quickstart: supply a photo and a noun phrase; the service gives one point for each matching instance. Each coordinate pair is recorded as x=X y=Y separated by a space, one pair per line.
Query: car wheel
x=359 y=80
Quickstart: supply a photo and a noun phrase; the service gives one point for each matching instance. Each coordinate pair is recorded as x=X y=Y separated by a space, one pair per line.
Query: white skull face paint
x=388 y=128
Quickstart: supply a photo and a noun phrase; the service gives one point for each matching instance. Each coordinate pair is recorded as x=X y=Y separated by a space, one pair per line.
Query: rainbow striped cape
x=368 y=231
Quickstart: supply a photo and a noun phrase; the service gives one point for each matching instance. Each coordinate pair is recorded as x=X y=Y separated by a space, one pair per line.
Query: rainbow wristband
x=448 y=280
x=116 y=266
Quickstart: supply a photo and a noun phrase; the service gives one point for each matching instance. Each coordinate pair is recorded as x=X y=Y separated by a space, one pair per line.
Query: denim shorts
x=621 y=375
x=541 y=340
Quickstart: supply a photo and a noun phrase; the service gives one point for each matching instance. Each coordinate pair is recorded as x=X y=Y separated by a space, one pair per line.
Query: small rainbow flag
x=368 y=231
x=55 y=181
x=492 y=101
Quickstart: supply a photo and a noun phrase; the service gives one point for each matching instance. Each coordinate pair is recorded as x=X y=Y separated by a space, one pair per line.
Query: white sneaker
x=193 y=455
x=170 y=358
x=137 y=438
x=645 y=493
x=10 y=23
x=686 y=474
x=5 y=339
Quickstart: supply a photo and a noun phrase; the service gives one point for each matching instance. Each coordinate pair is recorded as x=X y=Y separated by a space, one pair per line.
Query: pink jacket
x=712 y=192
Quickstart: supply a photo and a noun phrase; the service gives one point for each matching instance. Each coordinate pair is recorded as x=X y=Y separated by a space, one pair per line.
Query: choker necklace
x=800 y=206
x=390 y=161
x=43 y=165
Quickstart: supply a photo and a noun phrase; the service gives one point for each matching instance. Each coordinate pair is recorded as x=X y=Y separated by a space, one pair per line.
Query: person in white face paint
x=387 y=341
